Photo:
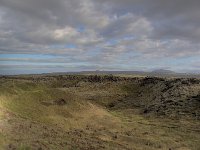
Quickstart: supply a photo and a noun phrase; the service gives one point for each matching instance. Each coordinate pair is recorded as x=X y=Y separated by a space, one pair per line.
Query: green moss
x=24 y=147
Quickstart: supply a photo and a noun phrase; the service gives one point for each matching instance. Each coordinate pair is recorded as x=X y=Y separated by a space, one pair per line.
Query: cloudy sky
x=74 y=35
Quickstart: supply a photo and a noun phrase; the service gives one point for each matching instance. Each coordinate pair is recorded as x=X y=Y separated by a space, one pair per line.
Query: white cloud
x=67 y=32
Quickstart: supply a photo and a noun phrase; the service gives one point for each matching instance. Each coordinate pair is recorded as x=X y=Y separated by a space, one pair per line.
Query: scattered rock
x=111 y=105
x=59 y=101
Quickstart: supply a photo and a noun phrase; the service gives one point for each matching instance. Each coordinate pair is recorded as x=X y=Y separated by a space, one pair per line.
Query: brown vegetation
x=99 y=112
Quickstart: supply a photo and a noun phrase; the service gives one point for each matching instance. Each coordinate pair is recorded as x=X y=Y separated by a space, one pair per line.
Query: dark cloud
x=170 y=19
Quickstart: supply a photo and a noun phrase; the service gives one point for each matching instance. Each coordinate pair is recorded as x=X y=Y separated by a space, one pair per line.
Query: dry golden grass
x=85 y=121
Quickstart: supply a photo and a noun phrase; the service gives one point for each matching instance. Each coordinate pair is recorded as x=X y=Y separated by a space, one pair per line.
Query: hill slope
x=99 y=112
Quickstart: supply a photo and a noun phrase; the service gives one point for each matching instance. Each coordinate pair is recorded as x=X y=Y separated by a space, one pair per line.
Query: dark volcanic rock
x=175 y=97
x=59 y=102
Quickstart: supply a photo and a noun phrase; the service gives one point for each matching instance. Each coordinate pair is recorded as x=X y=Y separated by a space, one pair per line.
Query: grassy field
x=60 y=113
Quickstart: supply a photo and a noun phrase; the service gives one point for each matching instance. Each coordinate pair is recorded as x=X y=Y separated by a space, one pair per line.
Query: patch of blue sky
x=112 y=42
x=80 y=28
x=39 y=63
x=176 y=62
x=61 y=46
x=25 y=56
x=133 y=60
x=117 y=40
x=95 y=51
x=129 y=37
x=131 y=54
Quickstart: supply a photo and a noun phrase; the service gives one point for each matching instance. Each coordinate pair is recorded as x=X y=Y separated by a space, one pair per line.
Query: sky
x=40 y=36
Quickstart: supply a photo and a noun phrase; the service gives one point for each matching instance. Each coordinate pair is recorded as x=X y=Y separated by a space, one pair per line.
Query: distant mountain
x=163 y=71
